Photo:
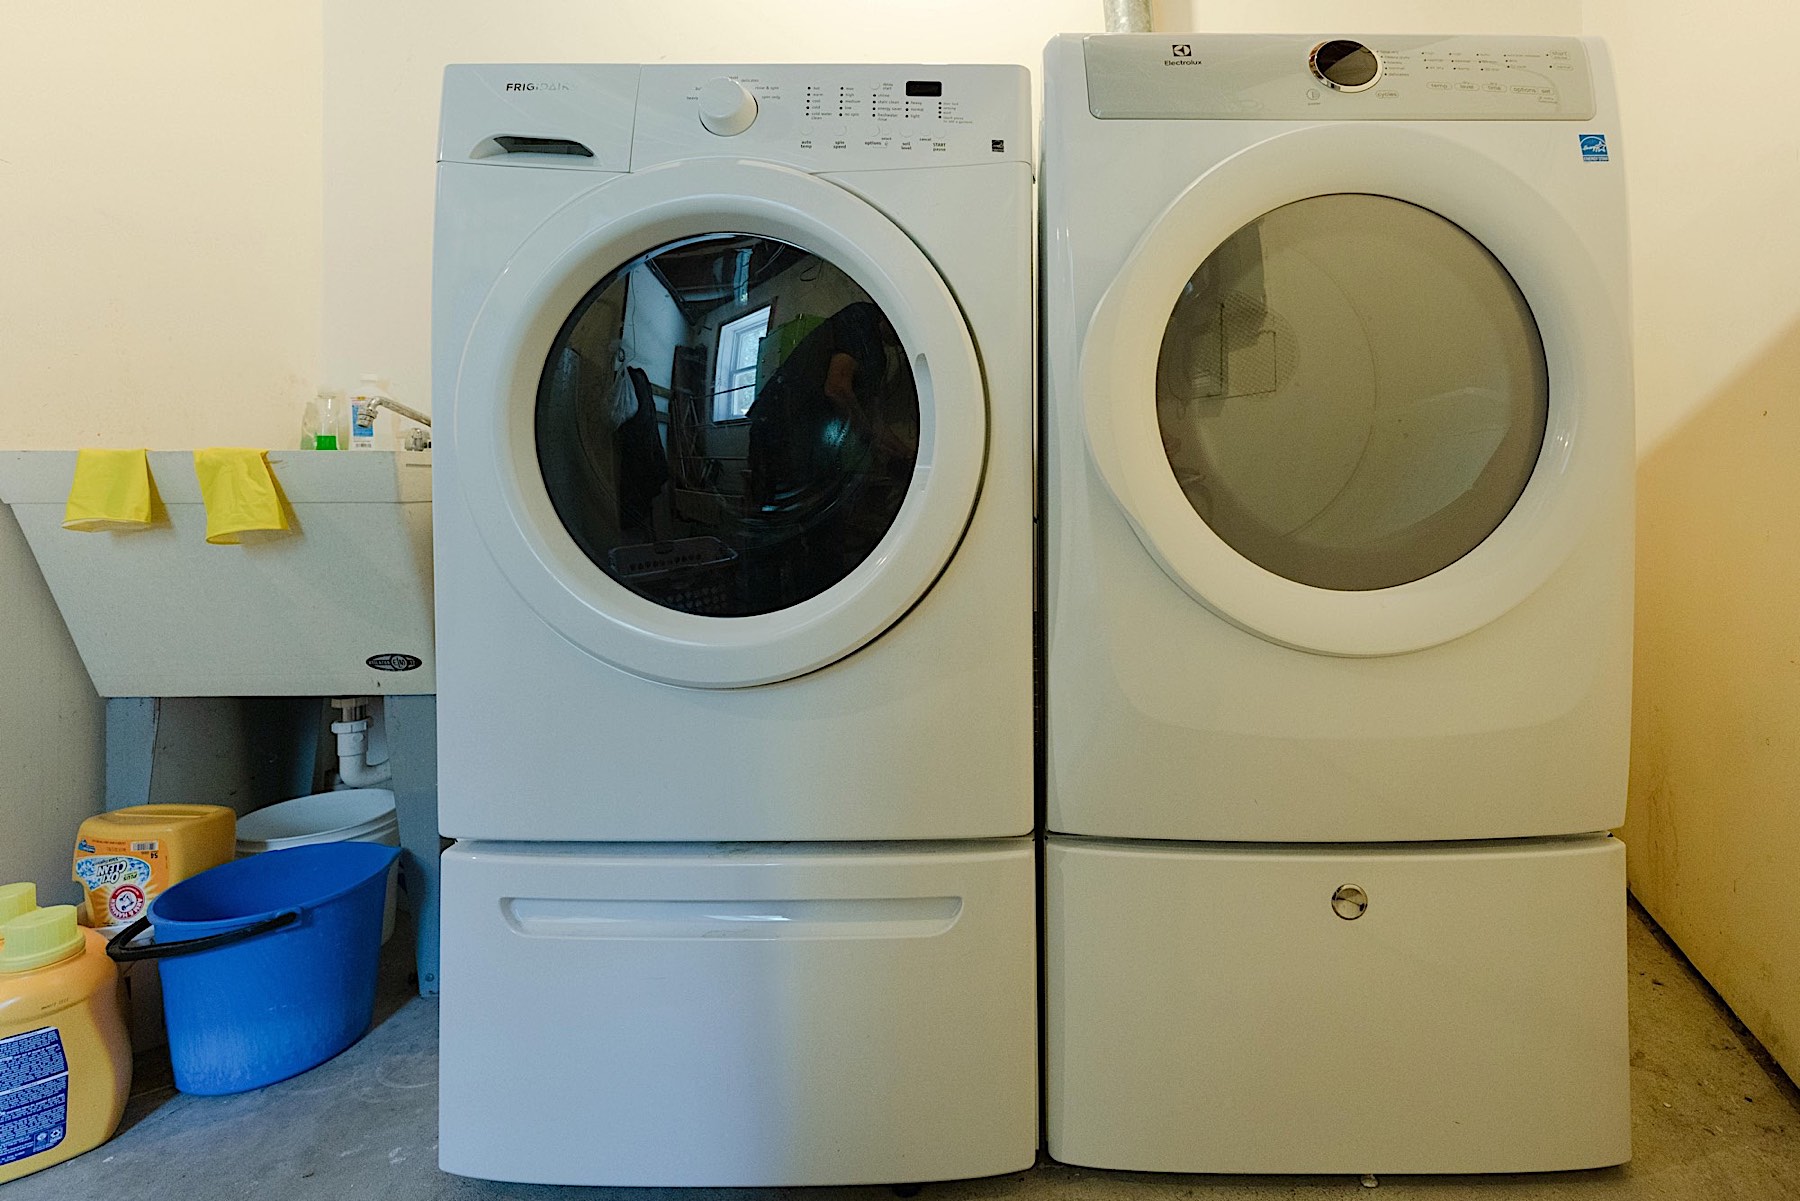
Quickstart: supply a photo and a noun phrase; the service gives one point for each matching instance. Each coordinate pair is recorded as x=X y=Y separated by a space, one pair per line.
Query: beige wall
x=160 y=211
x=1713 y=165
x=383 y=66
x=50 y=721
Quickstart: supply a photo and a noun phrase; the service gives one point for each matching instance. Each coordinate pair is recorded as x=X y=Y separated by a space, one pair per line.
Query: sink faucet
x=415 y=439
x=406 y=411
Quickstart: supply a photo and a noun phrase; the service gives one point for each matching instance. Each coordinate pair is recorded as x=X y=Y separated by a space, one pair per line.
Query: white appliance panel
x=923 y=733
x=1208 y=1009
x=1166 y=720
x=739 y=1015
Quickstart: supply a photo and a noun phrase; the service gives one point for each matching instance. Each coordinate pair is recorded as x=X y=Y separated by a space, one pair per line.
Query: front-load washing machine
x=733 y=379
x=1338 y=505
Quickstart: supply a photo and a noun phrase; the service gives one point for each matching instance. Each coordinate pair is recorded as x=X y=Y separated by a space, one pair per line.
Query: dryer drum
x=1352 y=392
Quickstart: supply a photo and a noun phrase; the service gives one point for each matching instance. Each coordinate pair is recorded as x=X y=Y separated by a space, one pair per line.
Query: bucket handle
x=119 y=947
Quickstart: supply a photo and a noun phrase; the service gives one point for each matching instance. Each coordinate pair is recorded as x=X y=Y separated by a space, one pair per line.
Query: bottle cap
x=40 y=938
x=16 y=900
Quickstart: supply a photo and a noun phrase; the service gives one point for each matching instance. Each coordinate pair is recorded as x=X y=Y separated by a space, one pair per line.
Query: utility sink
x=341 y=605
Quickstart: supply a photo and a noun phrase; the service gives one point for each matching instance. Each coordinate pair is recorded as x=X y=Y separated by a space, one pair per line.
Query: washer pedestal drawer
x=1444 y=1007
x=739 y=1014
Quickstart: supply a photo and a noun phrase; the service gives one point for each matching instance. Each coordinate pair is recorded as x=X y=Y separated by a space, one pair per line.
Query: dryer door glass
x=1352 y=392
x=727 y=425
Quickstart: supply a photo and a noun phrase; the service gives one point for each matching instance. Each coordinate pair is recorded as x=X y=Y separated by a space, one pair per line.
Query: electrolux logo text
x=1183 y=56
x=539 y=87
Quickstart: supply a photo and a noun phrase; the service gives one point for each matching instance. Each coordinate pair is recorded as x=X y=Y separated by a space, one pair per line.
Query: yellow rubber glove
x=111 y=491
x=240 y=493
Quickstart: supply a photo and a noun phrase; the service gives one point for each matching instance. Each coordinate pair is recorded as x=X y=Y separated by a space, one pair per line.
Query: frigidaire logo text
x=538 y=87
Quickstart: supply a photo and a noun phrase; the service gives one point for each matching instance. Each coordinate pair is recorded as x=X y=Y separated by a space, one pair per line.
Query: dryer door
x=1358 y=389
x=721 y=423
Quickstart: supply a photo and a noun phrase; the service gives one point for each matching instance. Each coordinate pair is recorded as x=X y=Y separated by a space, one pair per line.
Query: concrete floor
x=1711 y=1121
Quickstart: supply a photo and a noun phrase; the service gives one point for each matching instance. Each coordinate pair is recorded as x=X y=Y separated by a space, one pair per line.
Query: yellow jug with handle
x=65 y=1059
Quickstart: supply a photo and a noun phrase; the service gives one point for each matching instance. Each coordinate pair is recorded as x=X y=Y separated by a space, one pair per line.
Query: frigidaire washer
x=734 y=590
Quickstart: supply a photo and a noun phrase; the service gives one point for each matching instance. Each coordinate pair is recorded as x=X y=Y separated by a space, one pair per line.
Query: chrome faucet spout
x=406 y=411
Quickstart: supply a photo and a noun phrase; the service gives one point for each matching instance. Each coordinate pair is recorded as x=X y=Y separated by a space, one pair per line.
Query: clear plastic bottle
x=309 y=426
x=333 y=426
x=364 y=411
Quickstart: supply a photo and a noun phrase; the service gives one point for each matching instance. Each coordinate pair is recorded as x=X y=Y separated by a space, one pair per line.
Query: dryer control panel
x=1279 y=77
x=834 y=118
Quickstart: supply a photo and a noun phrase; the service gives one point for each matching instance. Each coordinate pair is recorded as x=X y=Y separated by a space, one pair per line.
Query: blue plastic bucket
x=268 y=963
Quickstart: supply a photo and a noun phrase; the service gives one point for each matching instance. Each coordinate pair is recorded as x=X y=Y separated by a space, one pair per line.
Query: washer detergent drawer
x=748 y=1014
x=1439 y=1008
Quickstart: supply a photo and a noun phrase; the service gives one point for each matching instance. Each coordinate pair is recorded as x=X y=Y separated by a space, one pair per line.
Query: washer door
x=720 y=423
x=1345 y=394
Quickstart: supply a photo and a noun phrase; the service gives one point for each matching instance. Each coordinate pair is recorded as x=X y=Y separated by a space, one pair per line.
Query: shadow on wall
x=1713 y=827
x=50 y=728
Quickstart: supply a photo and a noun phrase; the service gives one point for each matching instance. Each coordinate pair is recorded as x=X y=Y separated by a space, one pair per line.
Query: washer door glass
x=727 y=424
x=1352 y=392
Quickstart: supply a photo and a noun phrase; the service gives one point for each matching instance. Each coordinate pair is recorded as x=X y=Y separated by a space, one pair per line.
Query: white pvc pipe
x=1127 y=16
x=354 y=768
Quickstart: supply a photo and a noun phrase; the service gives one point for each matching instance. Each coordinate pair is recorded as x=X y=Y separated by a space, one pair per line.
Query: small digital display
x=924 y=87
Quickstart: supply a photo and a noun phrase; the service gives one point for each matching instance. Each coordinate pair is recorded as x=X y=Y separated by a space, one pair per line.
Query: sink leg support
x=412 y=751
x=130 y=749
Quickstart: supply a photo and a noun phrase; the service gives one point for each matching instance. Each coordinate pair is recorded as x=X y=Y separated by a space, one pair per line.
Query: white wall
x=160 y=251
x=1712 y=159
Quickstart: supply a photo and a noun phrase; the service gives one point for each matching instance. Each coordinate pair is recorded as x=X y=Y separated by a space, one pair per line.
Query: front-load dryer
x=1338 y=454
x=733 y=378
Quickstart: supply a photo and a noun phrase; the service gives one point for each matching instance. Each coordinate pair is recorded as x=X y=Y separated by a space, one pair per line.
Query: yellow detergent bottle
x=124 y=858
x=65 y=1060
x=16 y=900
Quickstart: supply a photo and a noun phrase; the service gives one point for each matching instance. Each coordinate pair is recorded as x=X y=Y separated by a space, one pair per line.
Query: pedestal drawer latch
x=1349 y=902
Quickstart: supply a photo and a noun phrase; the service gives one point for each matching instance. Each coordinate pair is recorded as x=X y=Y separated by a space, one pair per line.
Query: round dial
x=1346 y=66
x=726 y=107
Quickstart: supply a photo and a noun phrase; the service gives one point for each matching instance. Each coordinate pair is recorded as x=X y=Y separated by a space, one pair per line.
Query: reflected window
x=1352 y=392
x=734 y=370
x=727 y=425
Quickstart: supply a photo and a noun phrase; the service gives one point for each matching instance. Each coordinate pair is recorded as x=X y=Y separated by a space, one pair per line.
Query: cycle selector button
x=726 y=107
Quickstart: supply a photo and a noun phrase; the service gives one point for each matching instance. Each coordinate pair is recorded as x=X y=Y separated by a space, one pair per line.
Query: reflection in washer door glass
x=727 y=425
x=1352 y=392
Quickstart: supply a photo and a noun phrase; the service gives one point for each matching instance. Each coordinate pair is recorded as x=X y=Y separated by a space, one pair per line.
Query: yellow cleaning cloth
x=240 y=493
x=111 y=491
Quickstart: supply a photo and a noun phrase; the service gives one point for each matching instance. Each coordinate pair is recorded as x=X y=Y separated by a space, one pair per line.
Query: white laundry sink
x=342 y=605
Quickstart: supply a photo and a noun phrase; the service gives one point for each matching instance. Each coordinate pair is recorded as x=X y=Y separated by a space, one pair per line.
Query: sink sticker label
x=34 y=1094
x=395 y=661
x=120 y=876
x=1593 y=148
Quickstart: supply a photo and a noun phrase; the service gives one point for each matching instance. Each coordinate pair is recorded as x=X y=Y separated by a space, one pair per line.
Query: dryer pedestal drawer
x=1434 y=1008
x=750 y=1014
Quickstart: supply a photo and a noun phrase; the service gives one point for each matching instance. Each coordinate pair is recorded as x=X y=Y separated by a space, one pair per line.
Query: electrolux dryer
x=1338 y=462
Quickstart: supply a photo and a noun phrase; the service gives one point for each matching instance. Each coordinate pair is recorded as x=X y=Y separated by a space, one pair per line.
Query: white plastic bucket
x=348 y=815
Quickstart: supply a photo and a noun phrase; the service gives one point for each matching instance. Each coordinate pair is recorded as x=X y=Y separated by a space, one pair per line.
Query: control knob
x=1345 y=66
x=726 y=107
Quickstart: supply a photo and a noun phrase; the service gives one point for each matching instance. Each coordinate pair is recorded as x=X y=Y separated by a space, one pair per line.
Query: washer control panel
x=849 y=117
x=1249 y=77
